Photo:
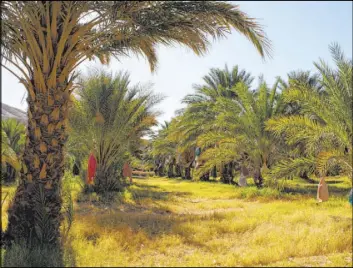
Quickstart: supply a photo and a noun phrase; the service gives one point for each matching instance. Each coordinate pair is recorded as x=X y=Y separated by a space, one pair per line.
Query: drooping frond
x=7 y=153
x=110 y=117
x=290 y=168
x=322 y=124
x=92 y=28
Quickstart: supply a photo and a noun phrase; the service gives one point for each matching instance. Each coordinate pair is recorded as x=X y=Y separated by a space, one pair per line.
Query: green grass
x=172 y=222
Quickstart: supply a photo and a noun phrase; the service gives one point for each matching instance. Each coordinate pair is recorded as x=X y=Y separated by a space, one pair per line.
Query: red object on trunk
x=127 y=171
x=92 y=165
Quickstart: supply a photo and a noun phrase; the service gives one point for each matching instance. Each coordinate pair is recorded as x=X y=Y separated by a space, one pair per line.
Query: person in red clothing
x=91 y=170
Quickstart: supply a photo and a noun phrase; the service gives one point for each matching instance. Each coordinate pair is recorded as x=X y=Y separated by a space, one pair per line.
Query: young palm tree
x=15 y=132
x=109 y=118
x=47 y=40
x=324 y=124
x=238 y=130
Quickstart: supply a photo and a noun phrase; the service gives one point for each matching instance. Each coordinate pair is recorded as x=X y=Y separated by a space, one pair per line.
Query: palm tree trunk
x=224 y=173
x=205 y=177
x=214 y=172
x=230 y=172
x=227 y=173
x=178 y=171
x=160 y=170
x=305 y=176
x=258 y=179
x=170 y=170
x=34 y=213
x=243 y=174
x=188 y=172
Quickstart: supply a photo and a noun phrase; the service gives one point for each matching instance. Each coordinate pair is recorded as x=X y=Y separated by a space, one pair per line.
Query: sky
x=301 y=33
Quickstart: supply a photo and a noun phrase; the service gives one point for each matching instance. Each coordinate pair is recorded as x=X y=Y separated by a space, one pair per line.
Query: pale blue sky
x=300 y=33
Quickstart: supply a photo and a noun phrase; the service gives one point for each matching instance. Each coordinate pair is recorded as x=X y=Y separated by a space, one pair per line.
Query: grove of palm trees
x=246 y=173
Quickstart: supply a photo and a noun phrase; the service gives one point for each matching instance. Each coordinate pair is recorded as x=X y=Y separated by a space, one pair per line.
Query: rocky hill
x=8 y=111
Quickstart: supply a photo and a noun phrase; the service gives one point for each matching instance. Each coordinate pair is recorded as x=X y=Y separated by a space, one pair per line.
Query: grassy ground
x=171 y=222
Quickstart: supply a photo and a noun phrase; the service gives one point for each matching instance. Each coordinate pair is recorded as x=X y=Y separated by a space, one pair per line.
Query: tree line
x=299 y=126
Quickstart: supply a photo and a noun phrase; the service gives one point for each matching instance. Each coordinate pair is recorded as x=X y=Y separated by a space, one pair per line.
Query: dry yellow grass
x=170 y=222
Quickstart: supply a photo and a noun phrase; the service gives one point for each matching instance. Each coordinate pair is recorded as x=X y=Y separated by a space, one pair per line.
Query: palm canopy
x=295 y=77
x=218 y=82
x=304 y=77
x=109 y=118
x=324 y=124
x=83 y=29
x=163 y=146
x=198 y=117
x=238 y=129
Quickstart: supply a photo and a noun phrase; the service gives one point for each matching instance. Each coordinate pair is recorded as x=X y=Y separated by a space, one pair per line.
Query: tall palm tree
x=110 y=117
x=324 y=124
x=47 y=40
x=15 y=132
x=200 y=113
x=293 y=108
x=239 y=130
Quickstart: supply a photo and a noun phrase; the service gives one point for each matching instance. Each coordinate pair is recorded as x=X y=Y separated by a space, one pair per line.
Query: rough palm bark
x=41 y=171
x=34 y=213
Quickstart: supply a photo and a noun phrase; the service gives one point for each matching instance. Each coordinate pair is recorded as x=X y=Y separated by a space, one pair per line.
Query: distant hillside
x=8 y=111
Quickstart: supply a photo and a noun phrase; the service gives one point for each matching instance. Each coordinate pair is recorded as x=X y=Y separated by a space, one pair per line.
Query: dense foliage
x=300 y=127
x=109 y=119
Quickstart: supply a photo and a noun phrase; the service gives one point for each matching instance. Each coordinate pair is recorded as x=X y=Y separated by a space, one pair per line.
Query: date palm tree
x=293 y=108
x=324 y=124
x=46 y=41
x=200 y=113
x=238 y=131
x=110 y=117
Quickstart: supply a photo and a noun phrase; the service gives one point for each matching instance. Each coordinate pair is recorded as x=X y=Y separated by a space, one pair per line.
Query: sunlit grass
x=171 y=222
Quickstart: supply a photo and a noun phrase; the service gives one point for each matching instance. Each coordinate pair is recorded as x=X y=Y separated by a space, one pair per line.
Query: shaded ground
x=171 y=222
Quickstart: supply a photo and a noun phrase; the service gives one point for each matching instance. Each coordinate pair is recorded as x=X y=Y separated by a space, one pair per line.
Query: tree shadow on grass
x=138 y=193
x=155 y=225
x=147 y=215
x=312 y=190
x=19 y=255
